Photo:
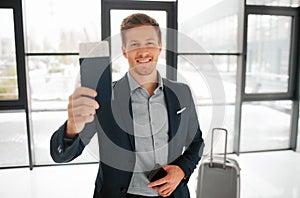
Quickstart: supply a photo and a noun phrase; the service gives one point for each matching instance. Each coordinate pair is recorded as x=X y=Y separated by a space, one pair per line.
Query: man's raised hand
x=81 y=110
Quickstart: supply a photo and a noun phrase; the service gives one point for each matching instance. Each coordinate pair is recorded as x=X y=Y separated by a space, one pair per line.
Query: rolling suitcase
x=219 y=176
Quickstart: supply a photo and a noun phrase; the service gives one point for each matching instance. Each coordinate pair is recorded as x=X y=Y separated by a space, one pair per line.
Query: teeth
x=144 y=61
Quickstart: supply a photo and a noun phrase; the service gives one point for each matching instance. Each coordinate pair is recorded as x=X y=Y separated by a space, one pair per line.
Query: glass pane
x=268 y=51
x=207 y=121
x=8 y=64
x=288 y=3
x=13 y=140
x=52 y=80
x=198 y=71
x=44 y=125
x=120 y=64
x=58 y=26
x=205 y=75
x=265 y=125
x=212 y=24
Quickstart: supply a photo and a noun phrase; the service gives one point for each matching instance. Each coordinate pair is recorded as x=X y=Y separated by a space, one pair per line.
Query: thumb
x=167 y=167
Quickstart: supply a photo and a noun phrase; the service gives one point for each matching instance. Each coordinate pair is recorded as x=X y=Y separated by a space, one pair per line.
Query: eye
x=150 y=43
x=134 y=45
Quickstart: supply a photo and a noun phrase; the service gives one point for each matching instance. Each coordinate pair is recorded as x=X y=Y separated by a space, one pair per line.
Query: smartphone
x=156 y=173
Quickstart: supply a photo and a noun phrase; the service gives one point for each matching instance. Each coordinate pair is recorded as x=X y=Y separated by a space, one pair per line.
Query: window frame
x=22 y=101
x=170 y=7
x=293 y=84
x=277 y=11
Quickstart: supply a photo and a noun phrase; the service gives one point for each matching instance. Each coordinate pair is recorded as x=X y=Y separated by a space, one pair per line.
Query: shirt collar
x=134 y=85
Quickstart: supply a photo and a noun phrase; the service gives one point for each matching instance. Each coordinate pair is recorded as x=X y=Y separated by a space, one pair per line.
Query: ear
x=160 y=47
x=124 y=52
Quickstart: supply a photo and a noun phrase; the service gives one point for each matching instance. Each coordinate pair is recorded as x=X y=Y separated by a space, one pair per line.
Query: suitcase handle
x=212 y=140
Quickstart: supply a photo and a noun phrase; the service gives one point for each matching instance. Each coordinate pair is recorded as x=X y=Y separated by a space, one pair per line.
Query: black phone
x=156 y=173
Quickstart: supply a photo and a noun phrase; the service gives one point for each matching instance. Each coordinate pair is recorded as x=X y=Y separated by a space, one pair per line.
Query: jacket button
x=123 y=190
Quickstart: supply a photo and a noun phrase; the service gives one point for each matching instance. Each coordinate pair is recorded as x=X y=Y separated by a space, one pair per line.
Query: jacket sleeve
x=63 y=149
x=194 y=144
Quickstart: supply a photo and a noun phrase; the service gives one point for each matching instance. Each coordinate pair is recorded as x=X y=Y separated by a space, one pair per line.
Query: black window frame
x=277 y=11
x=171 y=8
x=293 y=84
x=21 y=104
x=22 y=101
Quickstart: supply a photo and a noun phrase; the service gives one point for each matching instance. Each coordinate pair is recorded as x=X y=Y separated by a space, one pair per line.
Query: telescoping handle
x=212 y=141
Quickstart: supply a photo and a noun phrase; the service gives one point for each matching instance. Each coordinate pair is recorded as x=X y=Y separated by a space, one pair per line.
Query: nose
x=143 y=52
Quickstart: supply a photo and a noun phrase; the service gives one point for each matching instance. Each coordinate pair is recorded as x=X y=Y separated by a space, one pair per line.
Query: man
x=150 y=120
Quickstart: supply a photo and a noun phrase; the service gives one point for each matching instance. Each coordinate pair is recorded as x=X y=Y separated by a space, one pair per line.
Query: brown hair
x=136 y=20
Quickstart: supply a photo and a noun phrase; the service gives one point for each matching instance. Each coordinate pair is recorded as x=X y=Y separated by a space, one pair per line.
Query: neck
x=149 y=82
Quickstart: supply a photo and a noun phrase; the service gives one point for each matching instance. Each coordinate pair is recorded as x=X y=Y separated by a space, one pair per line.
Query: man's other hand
x=166 y=185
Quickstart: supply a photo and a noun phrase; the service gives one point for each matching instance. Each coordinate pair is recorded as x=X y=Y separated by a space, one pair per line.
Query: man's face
x=142 y=49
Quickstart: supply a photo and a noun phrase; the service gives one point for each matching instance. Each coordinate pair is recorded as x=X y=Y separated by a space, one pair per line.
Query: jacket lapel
x=173 y=105
x=122 y=109
x=122 y=106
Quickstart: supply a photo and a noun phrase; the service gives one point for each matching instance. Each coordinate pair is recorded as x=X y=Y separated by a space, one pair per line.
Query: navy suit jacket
x=116 y=139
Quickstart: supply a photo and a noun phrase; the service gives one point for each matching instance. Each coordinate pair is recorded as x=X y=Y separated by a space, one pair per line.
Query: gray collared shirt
x=150 y=124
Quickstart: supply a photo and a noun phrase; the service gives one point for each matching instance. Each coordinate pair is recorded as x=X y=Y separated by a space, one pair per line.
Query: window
x=8 y=63
x=207 y=61
x=266 y=125
x=207 y=76
x=13 y=139
x=212 y=24
x=54 y=31
x=44 y=125
x=268 y=96
x=52 y=80
x=268 y=53
x=58 y=26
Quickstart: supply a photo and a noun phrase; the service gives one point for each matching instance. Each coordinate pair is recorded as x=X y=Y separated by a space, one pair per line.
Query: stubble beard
x=144 y=71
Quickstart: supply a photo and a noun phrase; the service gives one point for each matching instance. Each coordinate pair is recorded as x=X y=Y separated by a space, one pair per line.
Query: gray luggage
x=219 y=176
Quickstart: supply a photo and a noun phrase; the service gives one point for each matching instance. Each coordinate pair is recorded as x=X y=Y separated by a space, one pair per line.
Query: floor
x=263 y=175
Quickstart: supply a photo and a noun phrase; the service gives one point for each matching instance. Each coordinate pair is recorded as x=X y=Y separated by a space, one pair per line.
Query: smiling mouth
x=144 y=61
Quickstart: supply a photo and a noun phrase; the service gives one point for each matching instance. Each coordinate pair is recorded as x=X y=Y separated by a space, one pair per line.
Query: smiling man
x=161 y=126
